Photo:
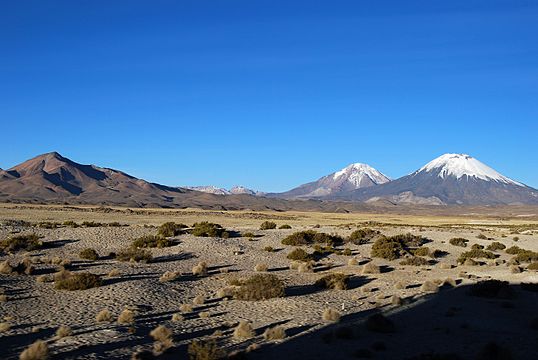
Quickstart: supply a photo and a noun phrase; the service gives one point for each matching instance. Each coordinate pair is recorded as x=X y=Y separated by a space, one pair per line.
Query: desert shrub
x=63 y=331
x=261 y=267
x=284 y=226
x=274 y=333
x=415 y=261
x=163 y=338
x=4 y=326
x=248 y=235
x=104 y=316
x=363 y=236
x=475 y=254
x=21 y=242
x=177 y=317
x=370 y=268
x=514 y=250
x=515 y=238
x=299 y=255
x=458 y=242
x=88 y=254
x=429 y=286
x=200 y=269
x=533 y=266
x=330 y=315
x=394 y=247
x=267 y=225
x=526 y=256
x=481 y=237
x=308 y=237
x=37 y=351
x=336 y=281
x=205 y=350
x=421 y=251
x=169 y=229
x=494 y=246
x=185 y=308
x=78 y=281
x=91 y=224
x=491 y=289
x=134 y=255
x=127 y=316
x=477 y=247
x=396 y=300
x=243 y=330
x=347 y=252
x=207 y=229
x=151 y=241
x=379 y=323
x=260 y=287
x=169 y=276
x=48 y=225
x=269 y=249
x=305 y=267
x=198 y=300
x=352 y=262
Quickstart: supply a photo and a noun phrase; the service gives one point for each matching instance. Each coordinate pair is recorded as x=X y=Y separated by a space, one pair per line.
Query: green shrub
x=394 y=247
x=152 y=241
x=533 y=266
x=459 y=242
x=481 y=237
x=21 y=242
x=267 y=225
x=260 y=287
x=475 y=254
x=421 y=251
x=205 y=350
x=415 y=261
x=285 y=226
x=336 y=281
x=78 y=281
x=71 y=223
x=169 y=229
x=347 y=252
x=494 y=246
x=514 y=250
x=91 y=224
x=308 y=237
x=299 y=255
x=363 y=236
x=269 y=249
x=48 y=225
x=526 y=256
x=88 y=254
x=207 y=229
x=134 y=254
x=477 y=247
x=248 y=235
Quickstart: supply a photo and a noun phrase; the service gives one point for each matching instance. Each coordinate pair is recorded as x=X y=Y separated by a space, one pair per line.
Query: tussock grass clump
x=336 y=281
x=104 y=316
x=495 y=246
x=152 y=241
x=177 y=317
x=185 y=308
x=163 y=338
x=205 y=350
x=274 y=333
x=533 y=266
x=28 y=242
x=207 y=229
x=169 y=276
x=204 y=314
x=71 y=223
x=526 y=256
x=198 y=300
x=114 y=273
x=308 y=237
x=226 y=292
x=514 y=250
x=415 y=261
x=363 y=236
x=396 y=300
x=476 y=254
x=78 y=281
x=243 y=330
x=260 y=287
x=6 y=268
x=371 y=268
x=200 y=269
x=4 y=326
x=429 y=286
x=269 y=249
x=299 y=255
x=134 y=255
x=169 y=229
x=458 y=242
x=330 y=315
x=127 y=316
x=305 y=267
x=284 y=226
x=347 y=252
x=394 y=247
x=63 y=331
x=261 y=267
x=249 y=235
x=267 y=225
x=88 y=254
x=37 y=351
x=380 y=324
x=352 y=262
x=481 y=237
x=421 y=251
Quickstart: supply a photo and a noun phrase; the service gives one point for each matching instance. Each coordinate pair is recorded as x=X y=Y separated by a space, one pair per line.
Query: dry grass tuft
x=4 y=326
x=306 y=267
x=204 y=315
x=352 y=262
x=400 y=285
x=330 y=315
x=169 y=276
x=244 y=330
x=429 y=286
x=396 y=300
x=274 y=333
x=205 y=350
x=198 y=300
x=63 y=331
x=185 y=308
x=261 y=267
x=127 y=316
x=163 y=338
x=336 y=281
x=200 y=269
x=371 y=268
x=260 y=287
x=37 y=351
x=78 y=281
x=114 y=273
x=177 y=317
x=104 y=316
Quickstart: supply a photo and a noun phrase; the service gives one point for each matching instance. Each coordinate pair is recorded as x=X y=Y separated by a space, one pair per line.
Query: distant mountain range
x=451 y=179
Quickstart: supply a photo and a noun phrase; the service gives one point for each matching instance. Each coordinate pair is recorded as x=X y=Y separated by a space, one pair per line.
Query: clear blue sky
x=269 y=94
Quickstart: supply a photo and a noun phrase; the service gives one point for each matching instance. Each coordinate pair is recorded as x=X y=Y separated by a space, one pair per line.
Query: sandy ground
x=35 y=310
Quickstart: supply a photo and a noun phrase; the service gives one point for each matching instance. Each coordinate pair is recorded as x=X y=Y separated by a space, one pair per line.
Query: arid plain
x=235 y=290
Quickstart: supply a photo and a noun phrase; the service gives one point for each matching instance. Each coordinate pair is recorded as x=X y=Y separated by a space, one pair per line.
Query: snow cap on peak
x=357 y=172
x=459 y=165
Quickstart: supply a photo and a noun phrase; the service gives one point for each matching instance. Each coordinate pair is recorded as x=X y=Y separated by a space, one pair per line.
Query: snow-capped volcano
x=463 y=165
x=352 y=177
x=236 y=190
x=450 y=179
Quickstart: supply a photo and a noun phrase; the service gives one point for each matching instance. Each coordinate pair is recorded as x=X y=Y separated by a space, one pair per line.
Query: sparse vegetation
x=207 y=229
x=330 y=315
x=37 y=351
x=63 y=331
x=243 y=330
x=299 y=254
x=476 y=254
x=200 y=269
x=152 y=241
x=415 y=261
x=459 y=242
x=134 y=255
x=336 y=281
x=104 y=316
x=495 y=246
x=170 y=229
x=269 y=249
x=274 y=333
x=370 y=268
x=205 y=350
x=88 y=254
x=21 y=242
x=284 y=226
x=363 y=236
x=491 y=289
x=308 y=237
x=78 y=281
x=267 y=225
x=260 y=287
x=127 y=316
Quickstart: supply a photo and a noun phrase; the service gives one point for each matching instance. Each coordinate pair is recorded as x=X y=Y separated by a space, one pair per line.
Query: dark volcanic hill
x=450 y=179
